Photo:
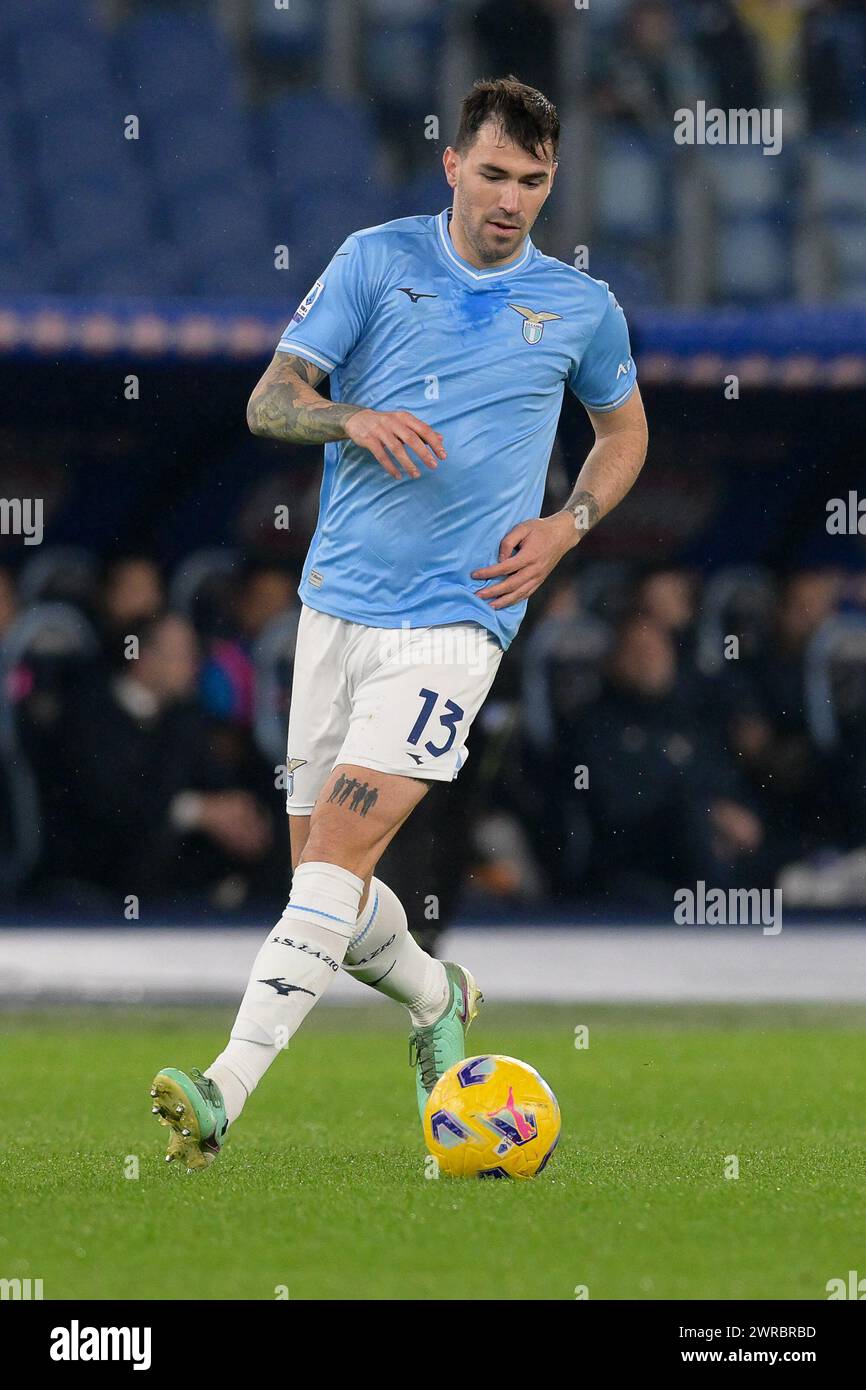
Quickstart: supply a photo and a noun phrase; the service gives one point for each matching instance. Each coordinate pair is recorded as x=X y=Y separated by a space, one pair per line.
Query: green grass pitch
x=321 y=1189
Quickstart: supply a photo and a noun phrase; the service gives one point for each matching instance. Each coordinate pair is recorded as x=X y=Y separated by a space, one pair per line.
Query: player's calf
x=357 y=815
x=293 y=969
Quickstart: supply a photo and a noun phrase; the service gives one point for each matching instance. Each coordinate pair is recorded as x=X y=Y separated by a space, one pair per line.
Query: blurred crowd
x=644 y=58
x=650 y=57
x=137 y=727
x=648 y=729
x=688 y=733
x=167 y=148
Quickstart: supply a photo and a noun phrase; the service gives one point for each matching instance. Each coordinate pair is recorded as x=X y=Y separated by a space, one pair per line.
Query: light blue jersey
x=401 y=322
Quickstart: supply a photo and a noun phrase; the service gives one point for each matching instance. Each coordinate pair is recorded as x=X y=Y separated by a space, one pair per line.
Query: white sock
x=290 y=974
x=383 y=955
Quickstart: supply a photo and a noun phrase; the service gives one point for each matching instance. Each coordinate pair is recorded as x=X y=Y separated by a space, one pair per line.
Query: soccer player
x=448 y=341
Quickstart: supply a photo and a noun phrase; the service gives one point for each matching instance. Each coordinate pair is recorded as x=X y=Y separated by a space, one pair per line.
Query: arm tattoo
x=584 y=508
x=285 y=404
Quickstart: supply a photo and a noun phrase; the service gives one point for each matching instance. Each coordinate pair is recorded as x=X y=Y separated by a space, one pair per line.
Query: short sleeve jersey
x=400 y=321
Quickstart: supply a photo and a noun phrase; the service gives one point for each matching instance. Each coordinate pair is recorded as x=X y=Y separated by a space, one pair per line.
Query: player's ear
x=553 y=169
x=451 y=163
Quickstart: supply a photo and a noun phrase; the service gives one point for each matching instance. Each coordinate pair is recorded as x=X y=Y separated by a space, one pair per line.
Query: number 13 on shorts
x=449 y=716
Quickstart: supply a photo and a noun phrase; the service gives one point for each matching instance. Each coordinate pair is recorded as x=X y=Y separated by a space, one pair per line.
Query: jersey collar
x=472 y=272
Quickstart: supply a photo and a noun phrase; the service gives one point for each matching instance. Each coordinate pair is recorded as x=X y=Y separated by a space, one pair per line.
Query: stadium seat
x=190 y=148
x=176 y=60
x=59 y=573
x=148 y=269
x=739 y=600
x=746 y=182
x=241 y=275
x=20 y=277
x=97 y=217
x=39 y=15
x=425 y=193
x=752 y=262
x=71 y=145
x=633 y=211
x=315 y=230
x=58 y=64
x=222 y=236
x=836 y=200
x=752 y=222
x=54 y=631
x=847 y=245
x=630 y=192
x=401 y=43
x=199 y=584
x=835 y=684
x=835 y=169
x=311 y=143
x=561 y=673
x=15 y=226
x=637 y=280
x=295 y=32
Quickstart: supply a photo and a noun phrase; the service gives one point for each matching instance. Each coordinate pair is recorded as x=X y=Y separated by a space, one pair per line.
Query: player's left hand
x=538 y=547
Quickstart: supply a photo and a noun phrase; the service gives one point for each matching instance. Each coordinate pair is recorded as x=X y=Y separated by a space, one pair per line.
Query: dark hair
x=523 y=113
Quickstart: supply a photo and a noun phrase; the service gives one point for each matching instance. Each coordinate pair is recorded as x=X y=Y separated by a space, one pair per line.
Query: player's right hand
x=391 y=432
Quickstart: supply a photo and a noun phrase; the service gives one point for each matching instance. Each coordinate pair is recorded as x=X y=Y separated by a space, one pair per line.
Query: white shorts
x=398 y=700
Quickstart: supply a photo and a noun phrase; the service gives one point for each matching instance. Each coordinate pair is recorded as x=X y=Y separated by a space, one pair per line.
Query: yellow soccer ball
x=491 y=1117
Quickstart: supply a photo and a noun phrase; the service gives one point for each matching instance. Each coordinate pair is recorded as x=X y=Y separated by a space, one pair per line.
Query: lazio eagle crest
x=291 y=768
x=533 y=323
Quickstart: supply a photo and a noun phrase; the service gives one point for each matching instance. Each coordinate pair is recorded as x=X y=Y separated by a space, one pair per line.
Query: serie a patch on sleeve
x=307 y=302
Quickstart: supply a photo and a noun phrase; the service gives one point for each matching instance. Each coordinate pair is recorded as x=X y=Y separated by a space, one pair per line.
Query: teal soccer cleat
x=434 y=1049
x=192 y=1106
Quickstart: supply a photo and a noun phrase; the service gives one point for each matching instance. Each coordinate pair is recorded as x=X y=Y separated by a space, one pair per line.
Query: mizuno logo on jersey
x=415 y=295
x=533 y=322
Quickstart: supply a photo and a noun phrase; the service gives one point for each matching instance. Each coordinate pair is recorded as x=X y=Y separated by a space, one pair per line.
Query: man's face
x=499 y=190
x=644 y=660
x=168 y=665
